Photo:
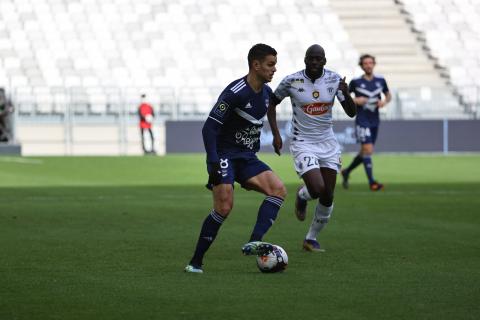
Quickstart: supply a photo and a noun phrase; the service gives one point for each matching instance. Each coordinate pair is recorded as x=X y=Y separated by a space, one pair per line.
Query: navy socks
x=210 y=227
x=266 y=217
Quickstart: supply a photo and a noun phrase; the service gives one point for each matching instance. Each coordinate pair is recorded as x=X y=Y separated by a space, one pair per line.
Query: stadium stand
x=451 y=31
x=383 y=29
x=93 y=58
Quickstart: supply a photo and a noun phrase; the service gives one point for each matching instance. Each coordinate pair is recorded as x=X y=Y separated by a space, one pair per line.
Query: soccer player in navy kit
x=231 y=135
x=368 y=91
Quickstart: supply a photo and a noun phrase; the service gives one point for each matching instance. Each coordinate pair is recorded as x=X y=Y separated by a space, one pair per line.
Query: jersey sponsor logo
x=315 y=94
x=221 y=108
x=317 y=108
x=249 y=137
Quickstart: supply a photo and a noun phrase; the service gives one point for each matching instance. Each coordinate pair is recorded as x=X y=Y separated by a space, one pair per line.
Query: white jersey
x=312 y=104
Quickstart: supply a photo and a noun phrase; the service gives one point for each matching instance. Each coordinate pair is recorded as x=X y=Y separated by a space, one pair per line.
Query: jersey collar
x=364 y=78
x=307 y=77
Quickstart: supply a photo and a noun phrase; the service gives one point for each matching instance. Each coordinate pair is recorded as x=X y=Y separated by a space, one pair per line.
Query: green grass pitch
x=108 y=238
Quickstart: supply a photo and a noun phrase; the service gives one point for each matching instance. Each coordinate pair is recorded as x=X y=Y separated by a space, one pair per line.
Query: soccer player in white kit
x=314 y=148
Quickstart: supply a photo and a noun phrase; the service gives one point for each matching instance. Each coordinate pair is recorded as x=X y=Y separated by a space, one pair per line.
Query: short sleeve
x=283 y=90
x=385 y=86
x=351 y=86
x=224 y=106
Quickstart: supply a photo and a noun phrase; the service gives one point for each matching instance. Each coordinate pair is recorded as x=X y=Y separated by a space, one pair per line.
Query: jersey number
x=310 y=161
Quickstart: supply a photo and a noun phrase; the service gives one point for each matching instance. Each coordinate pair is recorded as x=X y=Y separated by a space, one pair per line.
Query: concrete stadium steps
x=379 y=28
x=405 y=80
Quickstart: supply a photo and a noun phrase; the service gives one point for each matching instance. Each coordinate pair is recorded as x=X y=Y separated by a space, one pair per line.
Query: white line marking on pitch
x=21 y=160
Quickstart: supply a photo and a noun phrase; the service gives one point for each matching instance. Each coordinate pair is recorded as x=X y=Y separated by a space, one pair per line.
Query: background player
x=231 y=135
x=146 y=115
x=367 y=90
x=314 y=148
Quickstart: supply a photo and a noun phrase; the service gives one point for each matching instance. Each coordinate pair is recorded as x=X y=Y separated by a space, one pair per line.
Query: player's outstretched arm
x=277 y=142
x=346 y=100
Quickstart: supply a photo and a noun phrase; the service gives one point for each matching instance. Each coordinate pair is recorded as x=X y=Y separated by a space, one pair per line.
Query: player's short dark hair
x=365 y=56
x=259 y=52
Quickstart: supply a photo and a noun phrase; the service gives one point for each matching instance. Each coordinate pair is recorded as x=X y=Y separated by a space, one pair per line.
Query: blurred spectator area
x=95 y=57
x=451 y=31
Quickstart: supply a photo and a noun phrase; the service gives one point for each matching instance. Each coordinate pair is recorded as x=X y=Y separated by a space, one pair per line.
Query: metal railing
x=80 y=104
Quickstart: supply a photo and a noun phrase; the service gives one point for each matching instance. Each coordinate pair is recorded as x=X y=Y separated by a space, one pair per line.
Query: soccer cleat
x=258 y=248
x=300 y=206
x=345 y=177
x=312 y=246
x=375 y=186
x=192 y=269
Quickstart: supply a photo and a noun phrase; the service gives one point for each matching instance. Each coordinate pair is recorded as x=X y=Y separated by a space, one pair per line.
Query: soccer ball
x=275 y=261
x=149 y=118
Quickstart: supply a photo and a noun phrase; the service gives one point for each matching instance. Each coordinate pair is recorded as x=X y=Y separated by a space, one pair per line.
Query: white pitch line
x=404 y=193
x=21 y=160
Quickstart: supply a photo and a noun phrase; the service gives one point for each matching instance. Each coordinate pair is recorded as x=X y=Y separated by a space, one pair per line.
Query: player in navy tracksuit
x=368 y=91
x=231 y=135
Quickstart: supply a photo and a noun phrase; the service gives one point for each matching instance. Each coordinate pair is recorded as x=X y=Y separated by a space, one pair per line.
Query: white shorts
x=308 y=156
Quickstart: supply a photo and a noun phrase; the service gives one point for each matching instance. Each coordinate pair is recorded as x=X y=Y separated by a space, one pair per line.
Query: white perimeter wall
x=85 y=139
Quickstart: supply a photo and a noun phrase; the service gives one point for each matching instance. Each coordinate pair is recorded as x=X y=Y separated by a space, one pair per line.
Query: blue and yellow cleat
x=192 y=269
x=312 y=246
x=257 y=248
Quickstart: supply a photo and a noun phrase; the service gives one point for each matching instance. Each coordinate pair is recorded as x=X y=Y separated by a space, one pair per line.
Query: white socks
x=320 y=219
x=303 y=193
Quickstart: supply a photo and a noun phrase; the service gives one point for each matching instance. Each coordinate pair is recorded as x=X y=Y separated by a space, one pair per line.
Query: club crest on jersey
x=221 y=108
x=315 y=94
x=317 y=108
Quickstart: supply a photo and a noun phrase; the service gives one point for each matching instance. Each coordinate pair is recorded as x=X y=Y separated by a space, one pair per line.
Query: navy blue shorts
x=366 y=134
x=239 y=170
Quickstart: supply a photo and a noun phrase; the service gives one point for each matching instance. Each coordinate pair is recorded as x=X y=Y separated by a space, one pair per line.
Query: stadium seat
x=180 y=47
x=451 y=28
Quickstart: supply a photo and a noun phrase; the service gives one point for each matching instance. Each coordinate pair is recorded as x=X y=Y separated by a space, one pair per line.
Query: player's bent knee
x=223 y=209
x=316 y=192
x=326 y=198
x=280 y=191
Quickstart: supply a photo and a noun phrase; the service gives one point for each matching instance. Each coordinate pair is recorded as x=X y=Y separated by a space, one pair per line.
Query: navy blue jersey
x=236 y=121
x=367 y=115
